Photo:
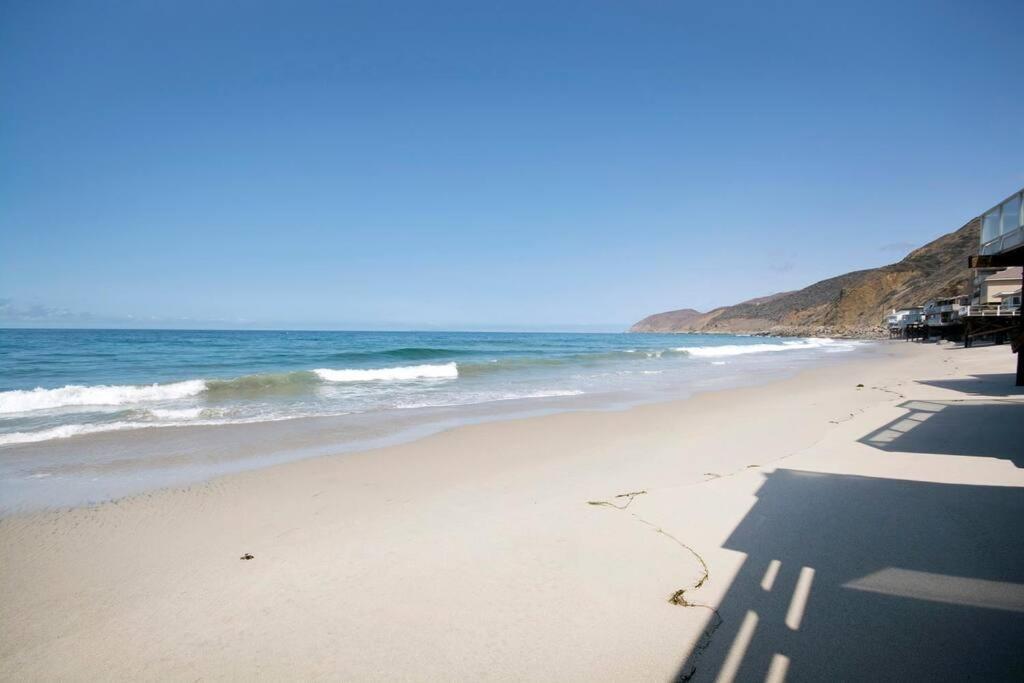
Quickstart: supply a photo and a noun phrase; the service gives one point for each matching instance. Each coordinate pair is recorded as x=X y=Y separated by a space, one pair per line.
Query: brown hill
x=853 y=304
x=667 y=321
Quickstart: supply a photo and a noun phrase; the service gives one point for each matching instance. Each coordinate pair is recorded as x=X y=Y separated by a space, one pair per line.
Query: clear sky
x=484 y=164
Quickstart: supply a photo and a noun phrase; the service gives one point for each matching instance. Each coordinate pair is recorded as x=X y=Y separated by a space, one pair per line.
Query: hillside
x=853 y=304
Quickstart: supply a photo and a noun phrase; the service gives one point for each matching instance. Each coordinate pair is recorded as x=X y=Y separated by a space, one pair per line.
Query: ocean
x=199 y=403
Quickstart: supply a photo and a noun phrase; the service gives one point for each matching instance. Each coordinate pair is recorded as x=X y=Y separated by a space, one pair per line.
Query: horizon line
x=3 y=328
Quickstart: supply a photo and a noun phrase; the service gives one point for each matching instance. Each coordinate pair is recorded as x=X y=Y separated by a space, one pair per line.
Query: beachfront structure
x=1002 y=235
x=939 y=318
x=994 y=293
x=936 y=319
x=1001 y=247
x=1002 y=287
x=900 y=319
x=944 y=314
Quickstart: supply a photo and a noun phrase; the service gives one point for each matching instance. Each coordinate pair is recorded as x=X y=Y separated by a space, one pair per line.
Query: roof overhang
x=1003 y=259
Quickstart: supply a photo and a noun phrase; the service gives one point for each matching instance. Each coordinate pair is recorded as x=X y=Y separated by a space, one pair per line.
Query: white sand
x=848 y=534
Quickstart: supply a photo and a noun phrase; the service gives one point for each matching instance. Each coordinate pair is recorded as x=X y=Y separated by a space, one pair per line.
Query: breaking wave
x=744 y=349
x=445 y=371
x=20 y=401
x=73 y=395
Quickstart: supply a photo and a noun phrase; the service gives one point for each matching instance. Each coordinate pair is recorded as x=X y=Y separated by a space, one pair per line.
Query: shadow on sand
x=854 y=578
x=989 y=428
x=859 y=578
x=999 y=384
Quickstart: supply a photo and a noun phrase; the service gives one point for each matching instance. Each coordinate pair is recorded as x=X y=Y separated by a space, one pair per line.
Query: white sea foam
x=551 y=393
x=176 y=413
x=408 y=372
x=475 y=399
x=21 y=401
x=66 y=431
x=743 y=349
x=182 y=419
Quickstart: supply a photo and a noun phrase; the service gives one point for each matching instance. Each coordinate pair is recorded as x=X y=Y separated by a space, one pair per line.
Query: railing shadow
x=999 y=384
x=859 y=578
x=990 y=428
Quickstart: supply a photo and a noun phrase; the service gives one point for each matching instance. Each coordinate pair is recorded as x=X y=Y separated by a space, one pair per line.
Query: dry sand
x=848 y=532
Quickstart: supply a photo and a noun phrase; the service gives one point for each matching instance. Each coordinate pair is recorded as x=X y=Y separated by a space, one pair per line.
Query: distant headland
x=850 y=305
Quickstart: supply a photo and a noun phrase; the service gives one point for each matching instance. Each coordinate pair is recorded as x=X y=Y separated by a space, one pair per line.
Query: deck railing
x=989 y=310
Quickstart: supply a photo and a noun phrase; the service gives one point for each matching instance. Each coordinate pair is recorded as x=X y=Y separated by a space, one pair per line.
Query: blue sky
x=483 y=165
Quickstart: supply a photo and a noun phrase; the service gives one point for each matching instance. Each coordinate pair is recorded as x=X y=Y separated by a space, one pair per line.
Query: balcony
x=1002 y=228
x=988 y=311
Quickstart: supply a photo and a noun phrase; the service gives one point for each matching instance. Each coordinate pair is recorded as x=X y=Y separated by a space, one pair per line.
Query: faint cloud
x=13 y=312
x=784 y=267
x=19 y=314
x=898 y=247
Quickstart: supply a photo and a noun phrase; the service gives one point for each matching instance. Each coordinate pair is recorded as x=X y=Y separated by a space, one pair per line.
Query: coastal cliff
x=850 y=305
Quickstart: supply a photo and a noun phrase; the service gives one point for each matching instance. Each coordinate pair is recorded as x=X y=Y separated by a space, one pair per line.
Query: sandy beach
x=857 y=521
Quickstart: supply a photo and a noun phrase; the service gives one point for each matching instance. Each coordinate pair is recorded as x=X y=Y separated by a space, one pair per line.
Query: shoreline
x=473 y=552
x=63 y=473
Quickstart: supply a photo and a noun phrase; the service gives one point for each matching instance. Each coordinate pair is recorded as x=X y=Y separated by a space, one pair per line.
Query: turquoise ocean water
x=66 y=395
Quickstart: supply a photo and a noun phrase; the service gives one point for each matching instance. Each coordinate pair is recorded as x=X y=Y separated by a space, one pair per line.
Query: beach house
x=901 y=318
x=942 y=317
x=1001 y=288
x=1001 y=250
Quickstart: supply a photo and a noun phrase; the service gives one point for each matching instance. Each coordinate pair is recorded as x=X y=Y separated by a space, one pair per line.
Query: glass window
x=990 y=226
x=1011 y=215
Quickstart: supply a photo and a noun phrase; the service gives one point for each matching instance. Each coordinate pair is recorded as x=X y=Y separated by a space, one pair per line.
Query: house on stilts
x=998 y=264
